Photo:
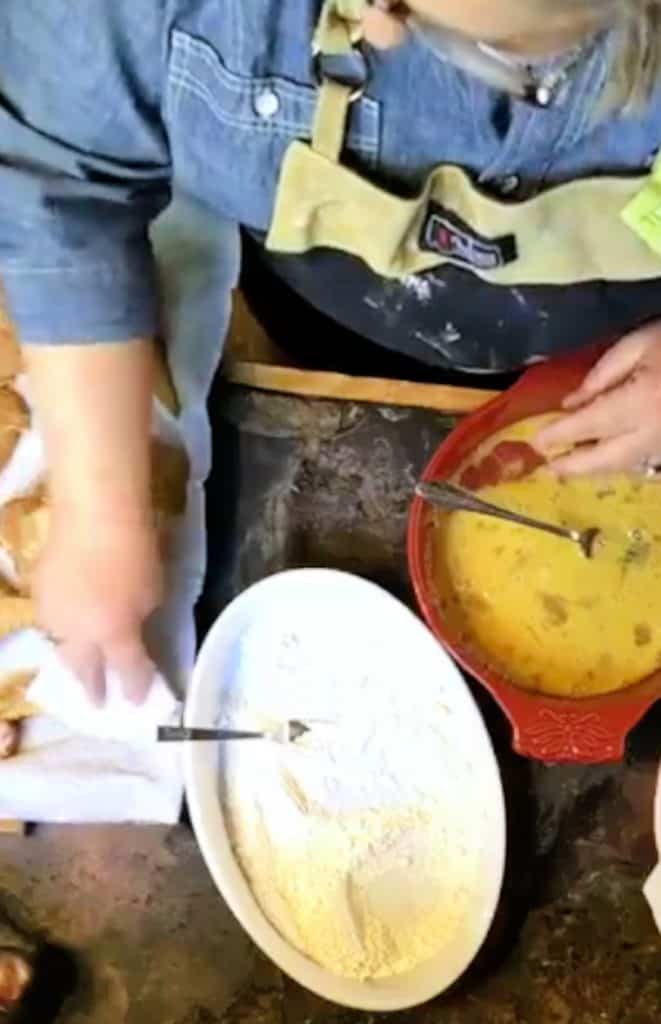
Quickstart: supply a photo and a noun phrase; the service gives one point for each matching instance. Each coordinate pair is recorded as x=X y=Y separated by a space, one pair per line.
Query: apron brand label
x=447 y=235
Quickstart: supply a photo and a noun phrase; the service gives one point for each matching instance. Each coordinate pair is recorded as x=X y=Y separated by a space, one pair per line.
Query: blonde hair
x=636 y=60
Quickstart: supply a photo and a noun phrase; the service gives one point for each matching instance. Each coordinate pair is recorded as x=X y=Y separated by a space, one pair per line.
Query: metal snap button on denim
x=267 y=103
x=508 y=185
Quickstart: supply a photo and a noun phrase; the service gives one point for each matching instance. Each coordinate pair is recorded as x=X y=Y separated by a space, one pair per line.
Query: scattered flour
x=419 y=286
x=355 y=841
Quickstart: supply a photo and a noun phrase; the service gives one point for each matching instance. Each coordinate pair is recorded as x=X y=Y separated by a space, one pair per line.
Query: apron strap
x=339 y=31
x=340 y=26
x=330 y=119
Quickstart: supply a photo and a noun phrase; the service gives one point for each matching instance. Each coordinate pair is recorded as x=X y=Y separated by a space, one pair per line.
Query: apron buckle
x=350 y=70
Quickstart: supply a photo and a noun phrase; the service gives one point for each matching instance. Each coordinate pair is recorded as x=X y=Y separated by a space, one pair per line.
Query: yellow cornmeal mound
x=364 y=896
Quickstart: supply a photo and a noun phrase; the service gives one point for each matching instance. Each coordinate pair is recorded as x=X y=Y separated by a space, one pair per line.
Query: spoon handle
x=182 y=734
x=447 y=495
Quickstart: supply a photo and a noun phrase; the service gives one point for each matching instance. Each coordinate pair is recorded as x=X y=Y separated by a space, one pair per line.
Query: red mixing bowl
x=588 y=729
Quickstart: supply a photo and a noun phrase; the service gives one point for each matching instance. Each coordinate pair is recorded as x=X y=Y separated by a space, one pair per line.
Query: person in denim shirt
x=113 y=112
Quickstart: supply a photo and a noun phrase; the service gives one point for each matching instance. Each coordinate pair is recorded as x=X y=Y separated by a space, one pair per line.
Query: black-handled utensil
x=287 y=732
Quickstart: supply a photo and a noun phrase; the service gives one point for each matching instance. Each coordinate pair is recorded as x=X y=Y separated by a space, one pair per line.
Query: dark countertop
x=135 y=927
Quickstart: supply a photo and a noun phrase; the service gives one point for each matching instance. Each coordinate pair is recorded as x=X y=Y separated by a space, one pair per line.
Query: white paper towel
x=59 y=694
x=59 y=777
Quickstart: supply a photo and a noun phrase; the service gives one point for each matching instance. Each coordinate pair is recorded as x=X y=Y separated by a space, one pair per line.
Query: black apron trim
x=451 y=319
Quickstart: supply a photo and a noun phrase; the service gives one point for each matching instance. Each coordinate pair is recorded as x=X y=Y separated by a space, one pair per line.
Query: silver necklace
x=533 y=82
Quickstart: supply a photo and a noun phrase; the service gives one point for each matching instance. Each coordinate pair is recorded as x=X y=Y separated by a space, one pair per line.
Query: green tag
x=643 y=213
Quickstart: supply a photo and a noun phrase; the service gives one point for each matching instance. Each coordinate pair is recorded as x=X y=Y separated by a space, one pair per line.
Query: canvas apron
x=595 y=236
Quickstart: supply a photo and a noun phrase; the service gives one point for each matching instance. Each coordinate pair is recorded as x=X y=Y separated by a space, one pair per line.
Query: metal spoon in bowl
x=449 y=496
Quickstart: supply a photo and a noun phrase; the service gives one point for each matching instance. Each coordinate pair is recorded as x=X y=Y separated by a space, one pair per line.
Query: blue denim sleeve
x=84 y=165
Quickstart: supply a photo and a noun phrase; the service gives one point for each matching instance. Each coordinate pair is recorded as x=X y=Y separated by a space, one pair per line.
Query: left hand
x=614 y=418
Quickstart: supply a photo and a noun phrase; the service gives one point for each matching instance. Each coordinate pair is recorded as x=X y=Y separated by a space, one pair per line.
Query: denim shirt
x=108 y=109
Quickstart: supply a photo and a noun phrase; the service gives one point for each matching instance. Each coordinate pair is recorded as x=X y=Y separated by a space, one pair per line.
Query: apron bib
x=473 y=282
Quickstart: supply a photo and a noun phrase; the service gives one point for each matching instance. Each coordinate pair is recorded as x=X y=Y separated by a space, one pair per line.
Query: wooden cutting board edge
x=336 y=386
x=12 y=828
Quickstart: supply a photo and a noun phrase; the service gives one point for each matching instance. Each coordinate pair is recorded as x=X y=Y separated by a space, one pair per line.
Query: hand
x=100 y=575
x=614 y=418
x=96 y=584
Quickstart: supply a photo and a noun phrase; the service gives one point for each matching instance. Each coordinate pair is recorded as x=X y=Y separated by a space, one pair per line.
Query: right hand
x=100 y=576
x=96 y=584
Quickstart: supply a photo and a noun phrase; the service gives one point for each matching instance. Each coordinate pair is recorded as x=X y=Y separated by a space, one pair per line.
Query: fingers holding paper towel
x=94 y=589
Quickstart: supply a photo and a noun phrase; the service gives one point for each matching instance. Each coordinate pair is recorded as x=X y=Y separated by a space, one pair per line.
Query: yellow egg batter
x=532 y=605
